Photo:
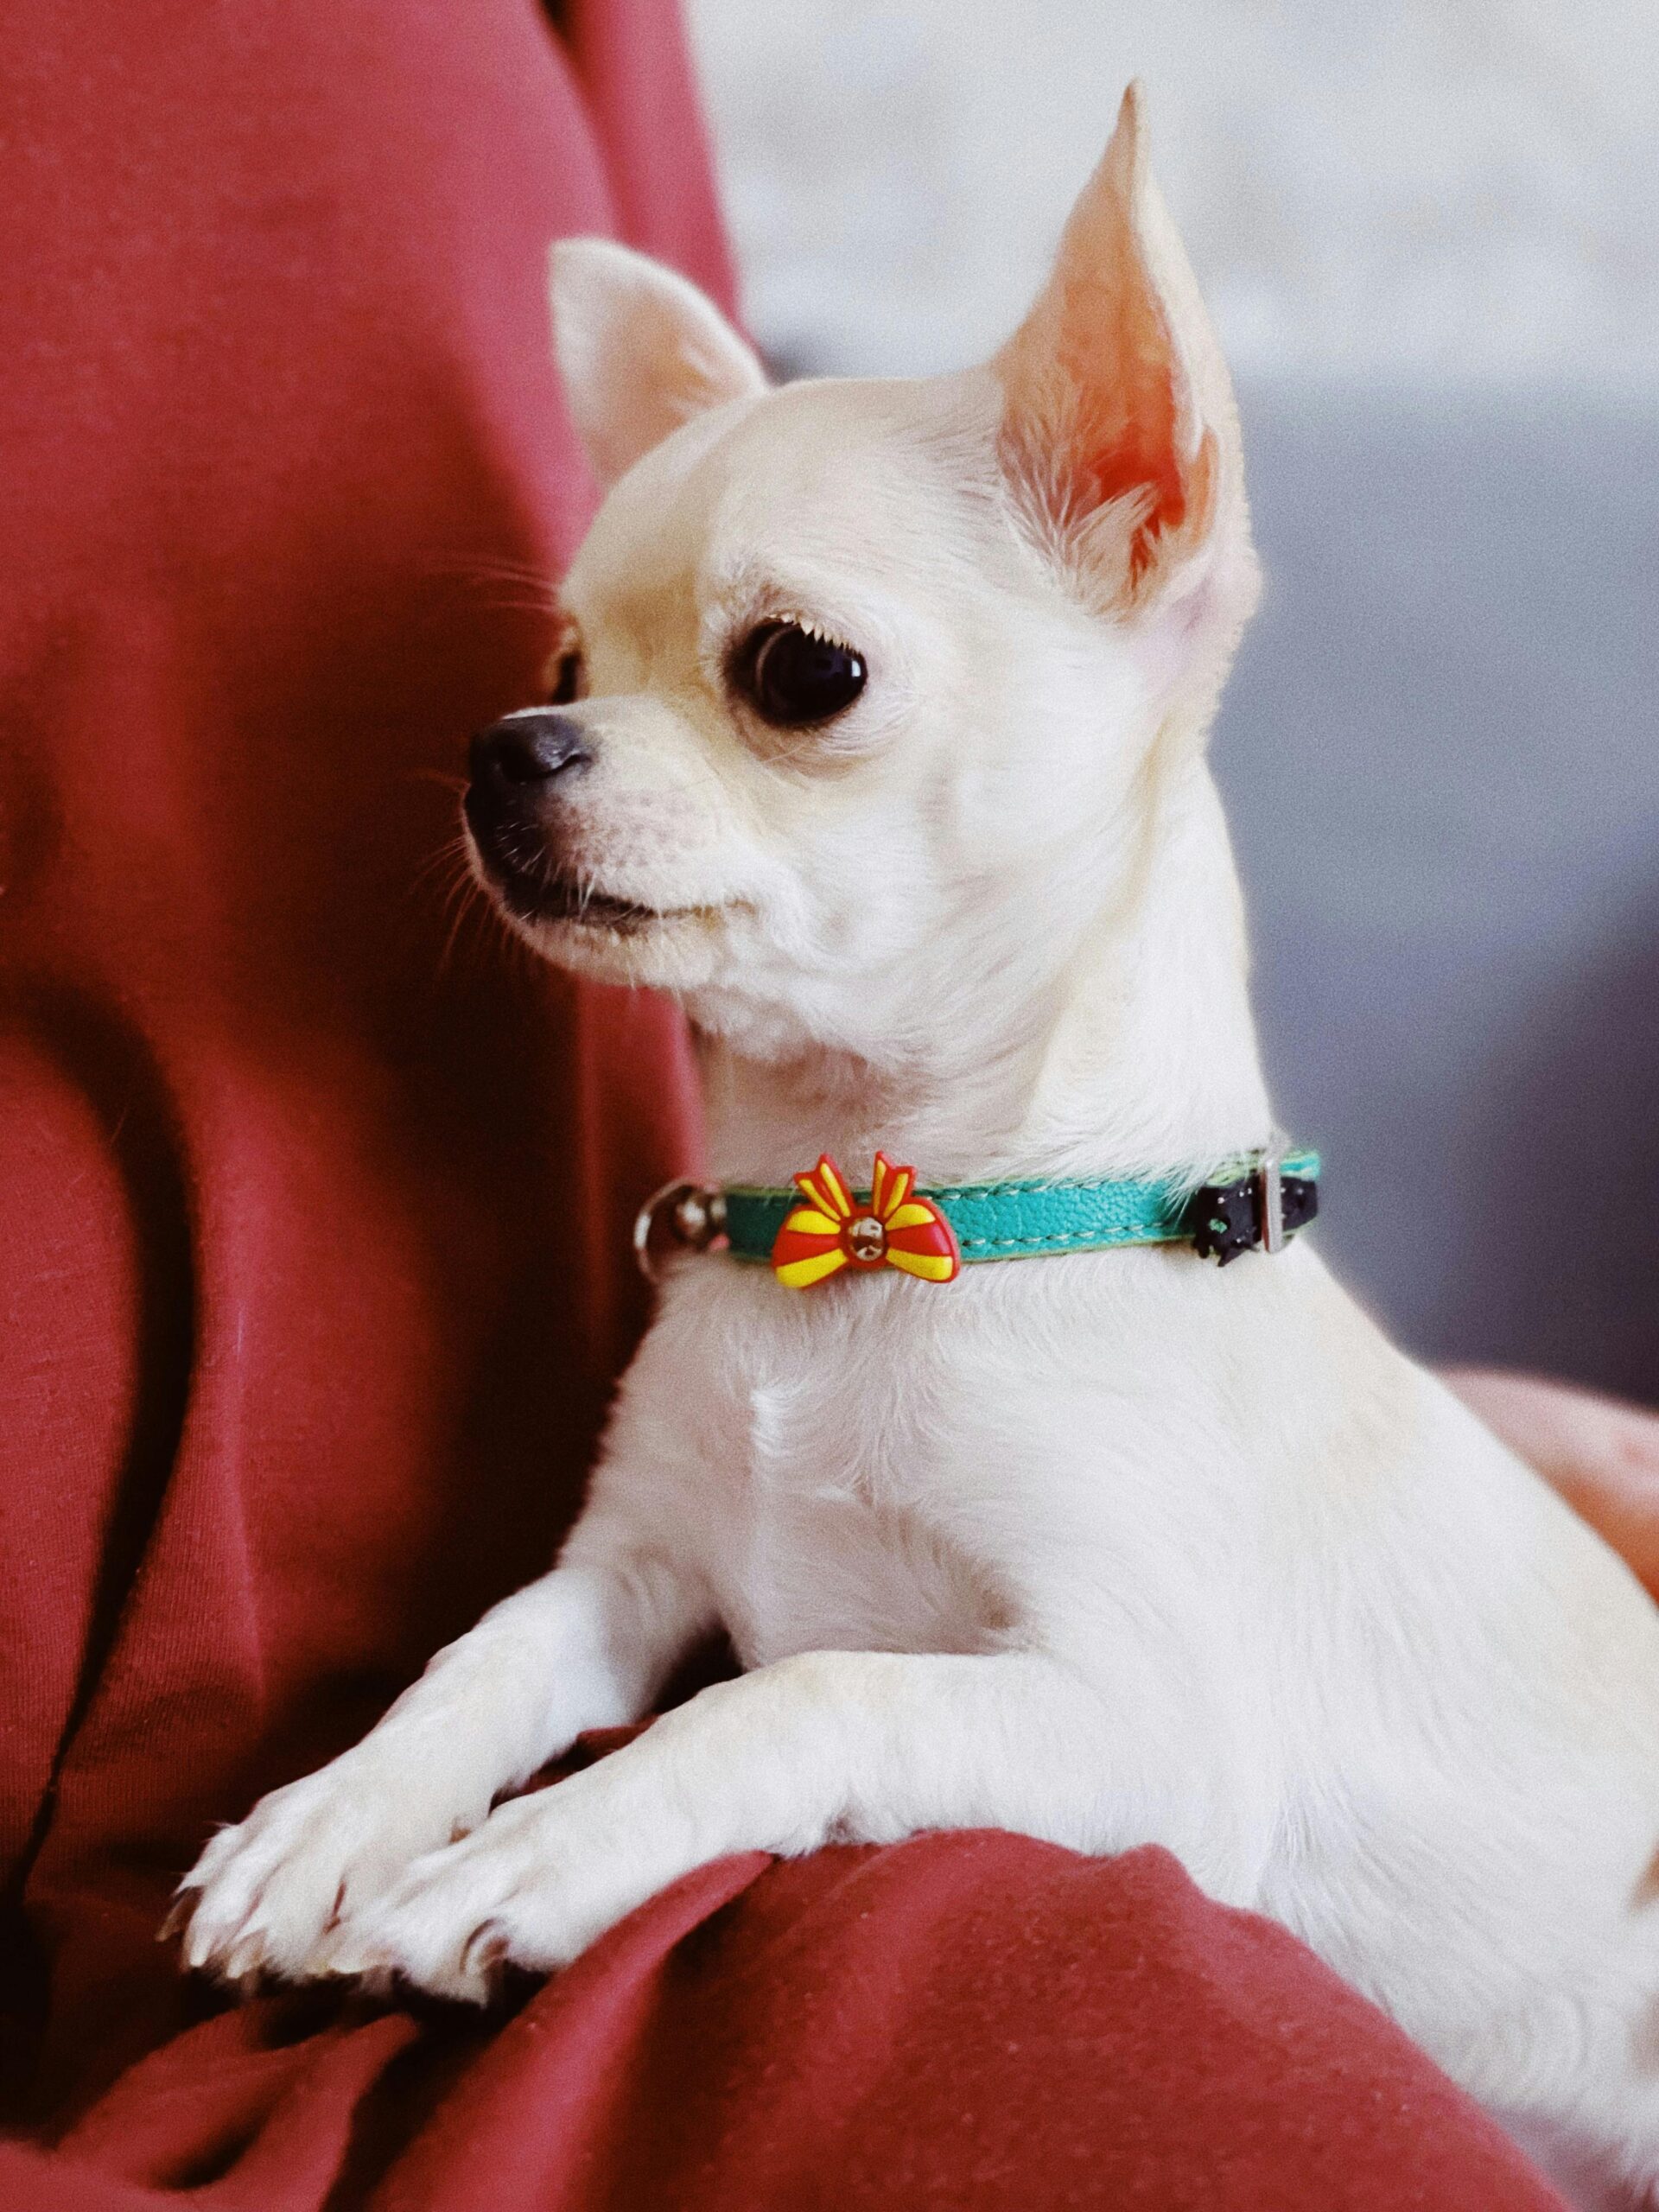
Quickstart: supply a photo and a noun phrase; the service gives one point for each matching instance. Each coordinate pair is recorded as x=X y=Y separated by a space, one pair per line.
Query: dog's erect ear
x=640 y=349
x=1119 y=432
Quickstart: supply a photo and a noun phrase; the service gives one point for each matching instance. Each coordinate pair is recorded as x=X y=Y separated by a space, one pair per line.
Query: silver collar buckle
x=1270 y=1194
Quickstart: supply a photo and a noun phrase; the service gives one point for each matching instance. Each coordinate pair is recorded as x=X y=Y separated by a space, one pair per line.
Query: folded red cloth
x=965 y=2020
x=314 y=1222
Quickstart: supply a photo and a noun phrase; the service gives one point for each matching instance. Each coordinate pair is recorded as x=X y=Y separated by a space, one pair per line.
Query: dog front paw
x=532 y=1887
x=265 y=1896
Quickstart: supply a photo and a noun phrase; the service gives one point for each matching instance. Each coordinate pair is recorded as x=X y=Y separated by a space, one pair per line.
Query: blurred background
x=1429 y=236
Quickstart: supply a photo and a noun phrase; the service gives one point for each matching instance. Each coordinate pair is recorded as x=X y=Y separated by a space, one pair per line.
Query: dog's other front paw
x=265 y=1895
x=533 y=1887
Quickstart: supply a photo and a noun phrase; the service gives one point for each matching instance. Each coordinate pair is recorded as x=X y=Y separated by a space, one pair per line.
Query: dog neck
x=1132 y=1052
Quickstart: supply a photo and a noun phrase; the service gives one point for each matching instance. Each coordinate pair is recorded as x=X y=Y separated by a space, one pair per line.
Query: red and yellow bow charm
x=833 y=1230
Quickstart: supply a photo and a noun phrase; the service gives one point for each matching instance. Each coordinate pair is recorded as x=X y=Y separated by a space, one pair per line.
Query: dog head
x=862 y=687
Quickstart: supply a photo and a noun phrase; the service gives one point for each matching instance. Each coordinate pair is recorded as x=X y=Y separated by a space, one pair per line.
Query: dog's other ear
x=1119 y=433
x=641 y=351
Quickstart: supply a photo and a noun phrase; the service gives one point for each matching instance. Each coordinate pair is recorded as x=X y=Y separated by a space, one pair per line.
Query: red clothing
x=312 y=1220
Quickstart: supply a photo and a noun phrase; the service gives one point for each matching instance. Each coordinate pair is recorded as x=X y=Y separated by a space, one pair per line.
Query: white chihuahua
x=877 y=737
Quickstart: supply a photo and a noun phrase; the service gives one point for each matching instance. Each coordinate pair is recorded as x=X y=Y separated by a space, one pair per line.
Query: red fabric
x=961 y=2021
x=312 y=1222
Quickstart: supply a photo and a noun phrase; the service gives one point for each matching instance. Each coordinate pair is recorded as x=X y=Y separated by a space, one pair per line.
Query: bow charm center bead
x=867 y=1241
x=834 y=1228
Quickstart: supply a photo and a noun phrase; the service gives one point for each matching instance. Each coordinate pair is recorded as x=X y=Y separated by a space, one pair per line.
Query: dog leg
x=586 y=1647
x=829 y=1746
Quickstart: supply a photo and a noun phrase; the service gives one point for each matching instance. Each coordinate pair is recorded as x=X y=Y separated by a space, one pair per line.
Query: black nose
x=526 y=749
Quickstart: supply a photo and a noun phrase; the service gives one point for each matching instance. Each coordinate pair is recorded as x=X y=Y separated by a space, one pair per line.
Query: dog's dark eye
x=566 y=678
x=794 y=676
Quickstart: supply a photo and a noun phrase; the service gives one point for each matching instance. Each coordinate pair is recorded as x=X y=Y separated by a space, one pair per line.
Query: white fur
x=1109 y=1549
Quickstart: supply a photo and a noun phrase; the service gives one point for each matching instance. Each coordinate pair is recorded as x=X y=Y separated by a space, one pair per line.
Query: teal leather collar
x=821 y=1226
x=1028 y=1220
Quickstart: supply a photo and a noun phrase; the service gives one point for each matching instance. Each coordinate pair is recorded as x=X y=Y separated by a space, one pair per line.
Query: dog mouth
x=568 y=899
x=539 y=891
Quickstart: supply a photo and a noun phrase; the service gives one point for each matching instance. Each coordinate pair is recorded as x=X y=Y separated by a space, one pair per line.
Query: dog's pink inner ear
x=1114 y=355
x=1097 y=406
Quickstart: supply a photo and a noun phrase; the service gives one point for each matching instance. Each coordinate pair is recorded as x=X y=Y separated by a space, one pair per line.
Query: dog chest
x=830 y=1526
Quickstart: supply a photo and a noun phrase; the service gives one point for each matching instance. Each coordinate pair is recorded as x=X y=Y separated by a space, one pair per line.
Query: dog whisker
x=493 y=568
